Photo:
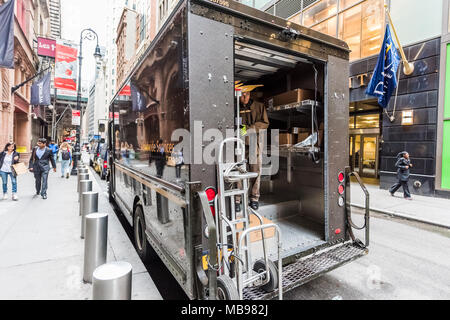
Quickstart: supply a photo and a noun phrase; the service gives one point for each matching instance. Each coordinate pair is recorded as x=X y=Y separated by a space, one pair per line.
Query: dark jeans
x=5 y=176
x=41 y=182
x=397 y=186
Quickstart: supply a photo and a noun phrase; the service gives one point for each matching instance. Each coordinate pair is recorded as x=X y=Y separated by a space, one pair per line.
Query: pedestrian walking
x=403 y=166
x=8 y=158
x=65 y=155
x=40 y=166
x=54 y=147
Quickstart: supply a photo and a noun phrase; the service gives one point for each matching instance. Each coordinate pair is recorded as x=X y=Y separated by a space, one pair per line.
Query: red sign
x=66 y=66
x=76 y=117
x=46 y=47
x=116 y=117
x=126 y=91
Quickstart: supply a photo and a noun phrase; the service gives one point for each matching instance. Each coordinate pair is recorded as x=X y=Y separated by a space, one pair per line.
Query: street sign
x=76 y=117
x=66 y=65
x=46 y=47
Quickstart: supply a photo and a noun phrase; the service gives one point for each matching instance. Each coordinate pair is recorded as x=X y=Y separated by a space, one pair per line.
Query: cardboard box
x=286 y=139
x=290 y=97
x=303 y=136
x=257 y=235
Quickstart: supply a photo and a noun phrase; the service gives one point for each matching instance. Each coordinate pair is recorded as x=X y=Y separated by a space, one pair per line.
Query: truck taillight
x=211 y=194
x=341 y=177
x=341 y=189
x=105 y=165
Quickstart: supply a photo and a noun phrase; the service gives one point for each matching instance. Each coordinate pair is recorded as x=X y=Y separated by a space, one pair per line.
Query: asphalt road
x=406 y=261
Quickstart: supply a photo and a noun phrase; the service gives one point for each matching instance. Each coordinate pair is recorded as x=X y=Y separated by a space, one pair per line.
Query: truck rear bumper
x=310 y=268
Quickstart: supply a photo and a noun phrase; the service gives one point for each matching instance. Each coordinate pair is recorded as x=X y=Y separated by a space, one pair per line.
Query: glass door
x=369 y=157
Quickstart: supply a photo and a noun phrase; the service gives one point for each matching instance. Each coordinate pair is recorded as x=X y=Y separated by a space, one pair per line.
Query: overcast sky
x=77 y=15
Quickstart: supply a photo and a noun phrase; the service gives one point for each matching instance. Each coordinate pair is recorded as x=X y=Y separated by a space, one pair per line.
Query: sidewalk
x=41 y=253
x=434 y=211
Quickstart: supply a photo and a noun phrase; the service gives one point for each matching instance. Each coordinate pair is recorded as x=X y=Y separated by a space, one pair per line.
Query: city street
x=237 y=149
x=407 y=260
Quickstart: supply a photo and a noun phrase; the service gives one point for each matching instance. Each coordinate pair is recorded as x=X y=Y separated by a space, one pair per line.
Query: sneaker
x=44 y=197
x=392 y=194
x=408 y=198
x=67 y=176
x=15 y=197
x=5 y=196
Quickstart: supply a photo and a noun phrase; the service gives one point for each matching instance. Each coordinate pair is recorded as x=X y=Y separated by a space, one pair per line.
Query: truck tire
x=260 y=266
x=226 y=289
x=140 y=239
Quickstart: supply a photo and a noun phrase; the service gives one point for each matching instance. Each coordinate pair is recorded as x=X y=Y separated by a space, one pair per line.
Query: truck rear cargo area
x=293 y=196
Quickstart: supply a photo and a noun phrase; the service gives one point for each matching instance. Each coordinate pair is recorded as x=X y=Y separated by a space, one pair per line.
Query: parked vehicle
x=102 y=167
x=186 y=77
x=94 y=153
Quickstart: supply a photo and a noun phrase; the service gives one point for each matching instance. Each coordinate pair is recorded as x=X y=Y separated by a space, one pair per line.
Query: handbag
x=19 y=169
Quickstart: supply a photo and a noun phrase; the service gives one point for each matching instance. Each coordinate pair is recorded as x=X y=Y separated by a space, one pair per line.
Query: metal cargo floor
x=298 y=235
x=309 y=268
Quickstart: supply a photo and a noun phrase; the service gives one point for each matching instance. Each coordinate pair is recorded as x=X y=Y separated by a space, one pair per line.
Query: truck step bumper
x=310 y=268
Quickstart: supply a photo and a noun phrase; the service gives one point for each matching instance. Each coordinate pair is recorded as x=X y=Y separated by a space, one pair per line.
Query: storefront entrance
x=364 y=155
x=365 y=141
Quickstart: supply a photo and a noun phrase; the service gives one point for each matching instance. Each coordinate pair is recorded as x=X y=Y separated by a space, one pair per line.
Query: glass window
x=372 y=30
x=352 y=122
x=328 y=27
x=350 y=30
x=368 y=121
x=320 y=11
x=261 y=3
x=297 y=18
x=344 y=4
x=362 y=28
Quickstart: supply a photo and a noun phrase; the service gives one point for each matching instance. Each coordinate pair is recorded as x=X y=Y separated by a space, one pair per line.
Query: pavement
x=429 y=210
x=41 y=253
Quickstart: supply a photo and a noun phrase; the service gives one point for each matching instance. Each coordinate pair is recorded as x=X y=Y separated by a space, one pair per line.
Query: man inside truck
x=254 y=119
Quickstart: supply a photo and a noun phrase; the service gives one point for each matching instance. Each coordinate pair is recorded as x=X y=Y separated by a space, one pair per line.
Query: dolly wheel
x=226 y=290
x=260 y=267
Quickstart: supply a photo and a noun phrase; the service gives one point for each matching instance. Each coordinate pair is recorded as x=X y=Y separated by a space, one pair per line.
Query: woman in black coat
x=8 y=158
x=403 y=165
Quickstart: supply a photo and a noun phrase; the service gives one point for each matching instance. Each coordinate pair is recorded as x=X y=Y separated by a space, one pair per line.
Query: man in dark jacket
x=254 y=117
x=39 y=165
x=403 y=165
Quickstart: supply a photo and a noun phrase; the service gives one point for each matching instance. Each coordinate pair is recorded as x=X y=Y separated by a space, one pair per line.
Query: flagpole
x=408 y=67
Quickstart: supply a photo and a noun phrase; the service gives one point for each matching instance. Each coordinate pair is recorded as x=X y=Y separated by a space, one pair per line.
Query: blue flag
x=384 y=79
x=7 y=35
x=40 y=92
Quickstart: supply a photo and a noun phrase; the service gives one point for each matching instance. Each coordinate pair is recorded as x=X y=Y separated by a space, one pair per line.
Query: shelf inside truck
x=302 y=107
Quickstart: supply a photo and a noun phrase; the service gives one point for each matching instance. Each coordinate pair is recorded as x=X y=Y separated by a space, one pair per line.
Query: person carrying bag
x=8 y=159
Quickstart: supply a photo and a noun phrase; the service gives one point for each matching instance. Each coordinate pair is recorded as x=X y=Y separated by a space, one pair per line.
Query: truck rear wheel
x=140 y=238
x=260 y=267
x=226 y=289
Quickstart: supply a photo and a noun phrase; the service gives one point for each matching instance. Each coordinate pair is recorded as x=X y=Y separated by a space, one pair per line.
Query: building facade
x=19 y=122
x=126 y=43
x=377 y=135
x=55 y=18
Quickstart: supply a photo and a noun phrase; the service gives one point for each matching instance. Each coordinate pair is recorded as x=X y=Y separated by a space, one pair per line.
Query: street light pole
x=87 y=34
